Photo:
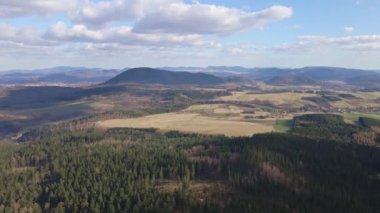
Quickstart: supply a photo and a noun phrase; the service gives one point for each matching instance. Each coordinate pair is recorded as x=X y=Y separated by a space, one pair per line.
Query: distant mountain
x=266 y=74
x=373 y=80
x=59 y=77
x=292 y=79
x=365 y=78
x=66 y=75
x=293 y=76
x=44 y=96
x=157 y=76
x=222 y=71
x=335 y=73
x=75 y=75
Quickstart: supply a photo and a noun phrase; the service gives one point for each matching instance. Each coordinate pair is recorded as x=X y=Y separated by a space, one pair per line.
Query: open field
x=367 y=95
x=242 y=113
x=274 y=98
x=191 y=122
x=363 y=99
x=236 y=120
x=215 y=109
x=297 y=100
x=283 y=126
x=226 y=119
x=353 y=117
x=233 y=119
x=267 y=87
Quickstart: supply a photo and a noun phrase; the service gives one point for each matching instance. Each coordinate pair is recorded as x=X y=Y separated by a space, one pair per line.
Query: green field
x=283 y=126
x=353 y=117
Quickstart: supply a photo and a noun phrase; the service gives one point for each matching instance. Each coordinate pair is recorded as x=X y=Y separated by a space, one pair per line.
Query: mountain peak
x=146 y=75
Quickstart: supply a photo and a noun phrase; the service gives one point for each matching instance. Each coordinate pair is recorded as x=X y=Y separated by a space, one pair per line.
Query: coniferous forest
x=131 y=170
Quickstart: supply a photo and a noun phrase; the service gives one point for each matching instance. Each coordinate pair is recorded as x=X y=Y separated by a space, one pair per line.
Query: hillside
x=349 y=76
x=156 y=76
x=335 y=73
x=316 y=73
x=292 y=79
x=195 y=75
x=129 y=170
x=43 y=96
x=65 y=75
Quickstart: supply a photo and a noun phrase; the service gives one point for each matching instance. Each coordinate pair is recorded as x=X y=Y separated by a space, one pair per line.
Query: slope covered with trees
x=129 y=170
x=292 y=79
x=156 y=76
x=333 y=127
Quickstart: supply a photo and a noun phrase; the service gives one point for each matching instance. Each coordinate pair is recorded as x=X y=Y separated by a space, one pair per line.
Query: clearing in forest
x=192 y=122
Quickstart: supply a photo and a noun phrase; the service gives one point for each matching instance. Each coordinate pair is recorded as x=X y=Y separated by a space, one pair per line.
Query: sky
x=133 y=33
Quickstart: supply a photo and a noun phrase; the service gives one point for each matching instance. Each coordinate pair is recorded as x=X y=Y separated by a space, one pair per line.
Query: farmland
x=193 y=122
x=244 y=113
x=275 y=98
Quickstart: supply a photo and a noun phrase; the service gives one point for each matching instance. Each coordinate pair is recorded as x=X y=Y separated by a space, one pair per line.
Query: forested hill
x=156 y=76
x=129 y=170
x=292 y=79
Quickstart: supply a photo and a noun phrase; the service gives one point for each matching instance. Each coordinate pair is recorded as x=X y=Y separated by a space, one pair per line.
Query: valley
x=189 y=106
x=212 y=105
x=248 y=112
x=174 y=141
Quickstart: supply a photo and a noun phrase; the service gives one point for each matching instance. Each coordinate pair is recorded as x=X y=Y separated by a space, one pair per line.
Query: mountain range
x=65 y=75
x=296 y=76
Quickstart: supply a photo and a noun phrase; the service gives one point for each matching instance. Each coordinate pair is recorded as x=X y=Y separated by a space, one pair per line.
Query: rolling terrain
x=258 y=106
x=292 y=79
x=296 y=76
x=147 y=170
x=58 y=75
x=152 y=140
x=40 y=105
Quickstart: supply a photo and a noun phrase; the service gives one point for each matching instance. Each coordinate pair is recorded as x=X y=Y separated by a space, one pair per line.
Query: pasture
x=213 y=119
x=274 y=98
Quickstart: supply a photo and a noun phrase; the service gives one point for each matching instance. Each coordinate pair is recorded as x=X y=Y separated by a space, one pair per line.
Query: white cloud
x=122 y=35
x=348 y=29
x=134 y=22
x=235 y=50
x=102 y=12
x=23 y=36
x=315 y=43
x=14 y=8
x=198 y=18
x=166 y=29
x=176 y=16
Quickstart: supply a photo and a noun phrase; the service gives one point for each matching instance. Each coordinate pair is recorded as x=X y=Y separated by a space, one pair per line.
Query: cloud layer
x=207 y=19
x=126 y=25
x=121 y=35
x=315 y=43
x=133 y=22
x=15 y=8
x=161 y=29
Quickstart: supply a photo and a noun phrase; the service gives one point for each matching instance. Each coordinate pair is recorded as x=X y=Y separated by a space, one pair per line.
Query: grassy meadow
x=191 y=122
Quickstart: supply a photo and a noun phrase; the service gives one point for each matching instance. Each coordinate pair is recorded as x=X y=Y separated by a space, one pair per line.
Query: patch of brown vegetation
x=376 y=129
x=365 y=138
x=274 y=174
x=121 y=101
x=216 y=192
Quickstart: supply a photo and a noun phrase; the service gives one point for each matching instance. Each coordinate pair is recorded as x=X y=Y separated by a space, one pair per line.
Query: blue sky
x=131 y=33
